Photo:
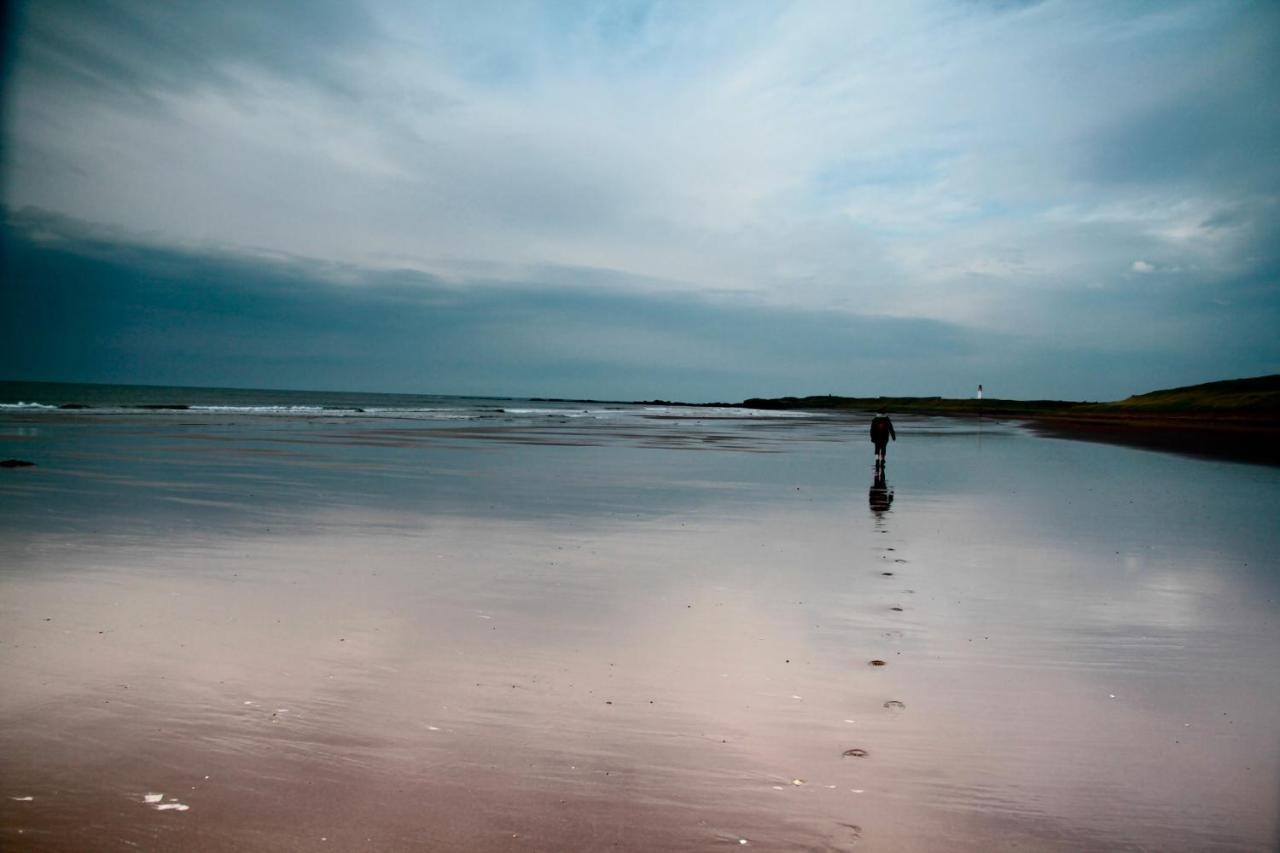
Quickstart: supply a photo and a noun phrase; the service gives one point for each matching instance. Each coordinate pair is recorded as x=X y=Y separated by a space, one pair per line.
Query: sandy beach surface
x=664 y=631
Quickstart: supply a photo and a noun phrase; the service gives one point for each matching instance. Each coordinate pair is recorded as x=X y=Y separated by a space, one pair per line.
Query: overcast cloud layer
x=644 y=199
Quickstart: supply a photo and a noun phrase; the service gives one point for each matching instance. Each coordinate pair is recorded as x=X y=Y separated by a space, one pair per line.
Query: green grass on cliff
x=1259 y=396
x=930 y=405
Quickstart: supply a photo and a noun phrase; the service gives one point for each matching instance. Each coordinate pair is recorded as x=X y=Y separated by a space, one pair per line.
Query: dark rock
x=16 y=463
x=73 y=406
x=877 y=662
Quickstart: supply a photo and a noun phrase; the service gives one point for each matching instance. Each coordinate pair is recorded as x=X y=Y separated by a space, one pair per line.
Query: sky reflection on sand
x=590 y=645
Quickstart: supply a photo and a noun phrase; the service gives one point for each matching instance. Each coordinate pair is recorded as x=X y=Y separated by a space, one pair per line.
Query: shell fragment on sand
x=155 y=800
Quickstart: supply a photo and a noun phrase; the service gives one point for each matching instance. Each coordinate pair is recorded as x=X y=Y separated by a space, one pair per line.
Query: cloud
x=133 y=51
x=1143 y=267
x=88 y=304
x=992 y=167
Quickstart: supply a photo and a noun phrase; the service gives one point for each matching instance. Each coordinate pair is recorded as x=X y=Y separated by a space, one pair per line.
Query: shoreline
x=1238 y=420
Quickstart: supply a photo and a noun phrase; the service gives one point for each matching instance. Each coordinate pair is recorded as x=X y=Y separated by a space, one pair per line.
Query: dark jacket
x=882 y=430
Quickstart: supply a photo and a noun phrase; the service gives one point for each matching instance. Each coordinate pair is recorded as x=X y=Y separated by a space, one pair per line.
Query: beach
x=513 y=625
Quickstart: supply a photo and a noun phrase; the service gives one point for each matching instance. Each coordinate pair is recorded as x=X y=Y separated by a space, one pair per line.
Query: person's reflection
x=880 y=497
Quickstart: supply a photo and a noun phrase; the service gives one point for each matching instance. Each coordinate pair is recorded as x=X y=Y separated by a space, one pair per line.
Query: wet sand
x=318 y=635
x=1243 y=439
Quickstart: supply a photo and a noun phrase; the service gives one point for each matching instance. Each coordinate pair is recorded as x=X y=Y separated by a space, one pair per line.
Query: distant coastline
x=1235 y=419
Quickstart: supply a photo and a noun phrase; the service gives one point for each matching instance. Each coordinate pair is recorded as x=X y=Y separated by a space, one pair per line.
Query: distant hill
x=1259 y=396
x=1235 y=419
x=920 y=405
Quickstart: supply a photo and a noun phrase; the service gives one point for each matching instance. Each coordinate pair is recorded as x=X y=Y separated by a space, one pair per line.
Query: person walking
x=881 y=433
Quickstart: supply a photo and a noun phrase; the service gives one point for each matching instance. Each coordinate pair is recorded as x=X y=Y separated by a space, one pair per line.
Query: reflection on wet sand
x=556 y=647
x=880 y=496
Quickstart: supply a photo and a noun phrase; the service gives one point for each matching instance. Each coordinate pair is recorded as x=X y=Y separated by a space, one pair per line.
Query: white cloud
x=926 y=159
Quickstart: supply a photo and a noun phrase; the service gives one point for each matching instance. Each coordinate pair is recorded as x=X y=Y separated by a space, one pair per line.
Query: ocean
x=118 y=399
x=139 y=399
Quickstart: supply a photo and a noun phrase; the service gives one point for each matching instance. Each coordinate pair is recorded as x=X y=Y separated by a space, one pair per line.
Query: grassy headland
x=1256 y=397
x=912 y=405
x=1236 y=418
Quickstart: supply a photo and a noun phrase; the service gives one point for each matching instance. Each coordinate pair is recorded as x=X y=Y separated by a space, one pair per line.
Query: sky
x=636 y=200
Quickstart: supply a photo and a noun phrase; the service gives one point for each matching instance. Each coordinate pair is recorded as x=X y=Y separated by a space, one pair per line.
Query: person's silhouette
x=881 y=433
